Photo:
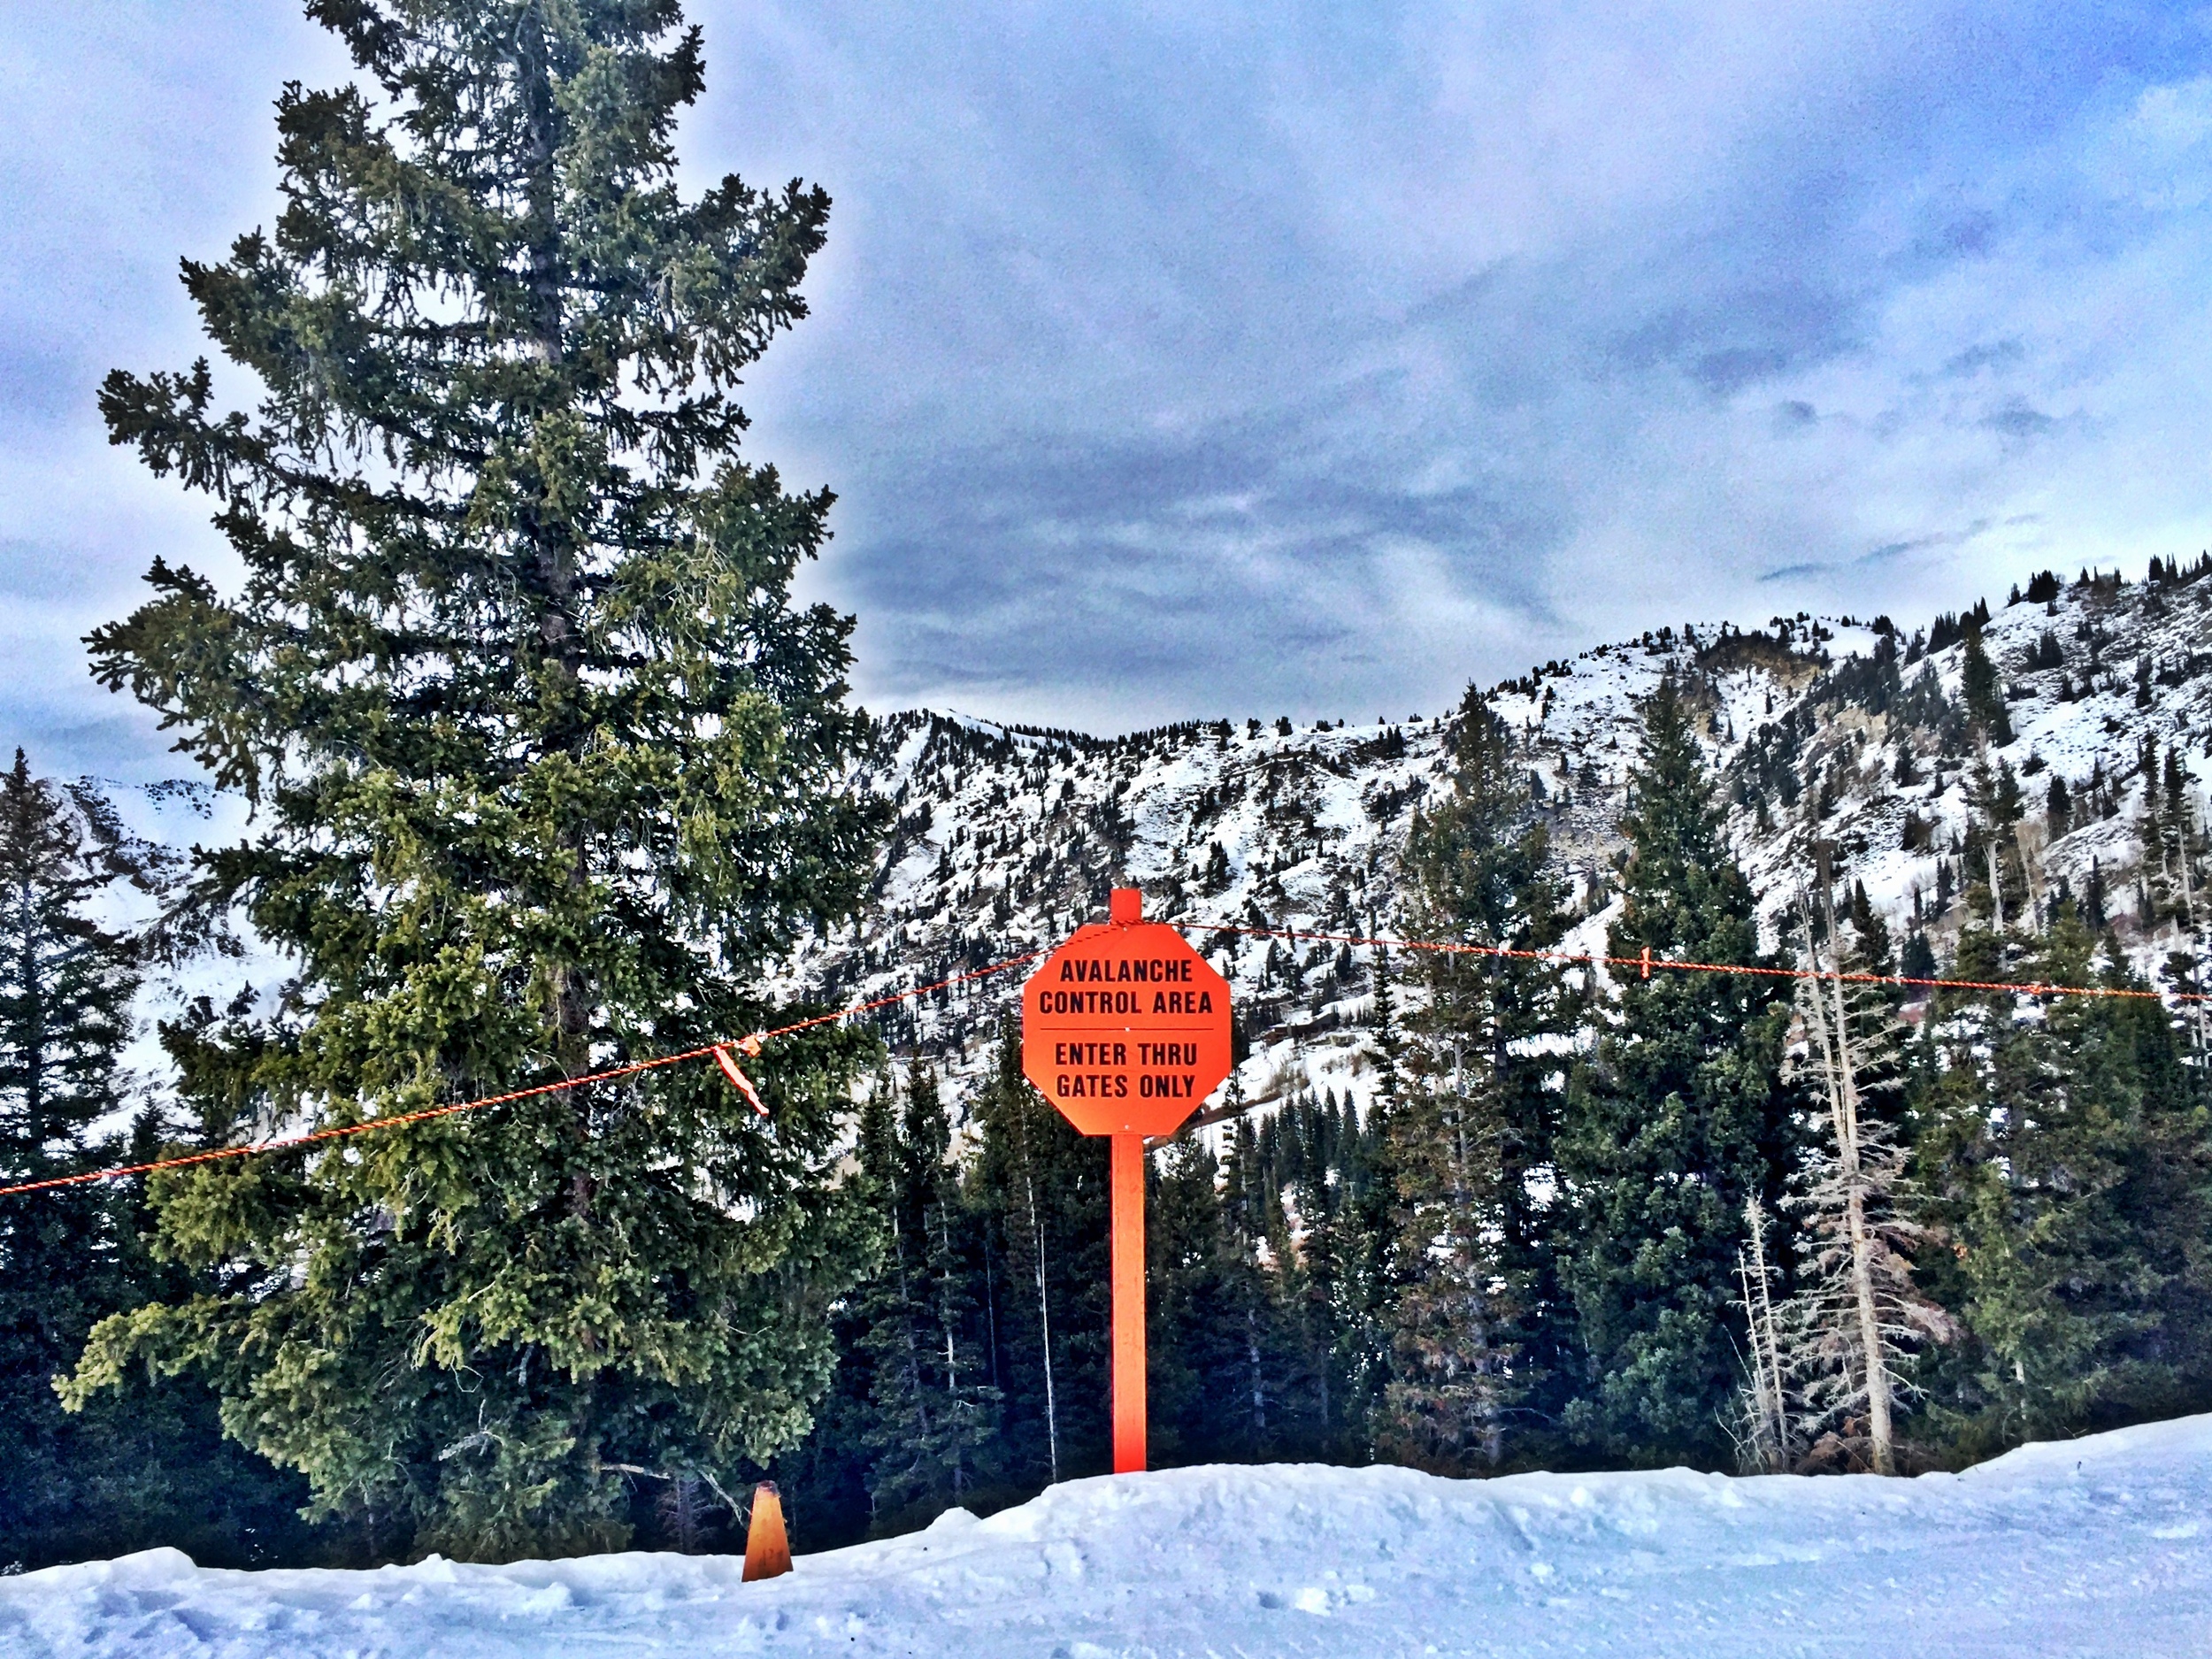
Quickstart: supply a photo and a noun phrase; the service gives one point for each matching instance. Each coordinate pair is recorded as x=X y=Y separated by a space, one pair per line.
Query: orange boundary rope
x=749 y=1044
x=1646 y=961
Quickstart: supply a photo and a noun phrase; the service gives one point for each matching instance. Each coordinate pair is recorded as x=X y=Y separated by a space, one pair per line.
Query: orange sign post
x=1126 y=1029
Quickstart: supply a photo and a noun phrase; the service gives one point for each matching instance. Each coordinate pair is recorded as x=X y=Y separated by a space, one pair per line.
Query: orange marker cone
x=767 y=1551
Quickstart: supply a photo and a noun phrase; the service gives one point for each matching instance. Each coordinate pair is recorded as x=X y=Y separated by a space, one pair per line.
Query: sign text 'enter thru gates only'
x=1126 y=1029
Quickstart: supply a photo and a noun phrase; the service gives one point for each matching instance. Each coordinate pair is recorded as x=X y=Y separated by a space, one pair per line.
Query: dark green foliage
x=2071 y=1158
x=1872 y=682
x=1042 y=1191
x=1870 y=934
x=1990 y=851
x=66 y=988
x=129 y=1474
x=547 y=767
x=1042 y=1188
x=1333 y=1284
x=1679 y=1118
x=1004 y=1256
x=1223 y=1346
x=1480 y=1330
x=1985 y=693
x=931 y=1435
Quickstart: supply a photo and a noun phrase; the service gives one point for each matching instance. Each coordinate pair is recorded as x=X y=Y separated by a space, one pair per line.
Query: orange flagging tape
x=742 y=1084
x=749 y=1045
x=1646 y=961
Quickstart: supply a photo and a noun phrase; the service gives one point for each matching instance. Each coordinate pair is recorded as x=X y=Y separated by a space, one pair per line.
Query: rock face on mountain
x=2079 y=712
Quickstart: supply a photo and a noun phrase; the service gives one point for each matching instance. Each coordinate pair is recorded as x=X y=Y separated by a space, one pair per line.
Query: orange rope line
x=1643 y=964
x=1646 y=961
x=750 y=1044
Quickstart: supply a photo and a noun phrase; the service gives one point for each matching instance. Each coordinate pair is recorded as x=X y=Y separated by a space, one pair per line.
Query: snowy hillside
x=2095 y=1547
x=1007 y=838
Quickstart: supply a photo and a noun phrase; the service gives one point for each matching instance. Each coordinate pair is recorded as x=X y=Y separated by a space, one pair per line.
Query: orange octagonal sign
x=1125 y=1028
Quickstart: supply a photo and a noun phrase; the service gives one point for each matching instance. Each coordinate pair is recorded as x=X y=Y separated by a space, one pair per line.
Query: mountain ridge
x=1818 y=730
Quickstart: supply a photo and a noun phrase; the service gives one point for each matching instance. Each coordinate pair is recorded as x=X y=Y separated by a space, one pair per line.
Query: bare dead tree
x=1764 y=1439
x=1857 y=1313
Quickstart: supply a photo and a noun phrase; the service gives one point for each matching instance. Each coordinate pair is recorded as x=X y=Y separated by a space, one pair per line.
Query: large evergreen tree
x=1681 y=1118
x=1256 y=1398
x=1983 y=689
x=547 y=768
x=1477 y=1315
x=1199 y=1286
x=1327 y=1282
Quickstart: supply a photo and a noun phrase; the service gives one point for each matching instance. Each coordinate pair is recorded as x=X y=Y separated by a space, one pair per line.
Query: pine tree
x=1388 y=1039
x=65 y=989
x=1044 y=1186
x=66 y=986
x=1256 y=1400
x=1295 y=1250
x=933 y=1221
x=1984 y=691
x=1681 y=1118
x=1010 y=1112
x=934 y=1409
x=1996 y=875
x=1477 y=1314
x=547 y=770
x=2069 y=1159
x=1364 y=1275
x=153 y=1471
x=1327 y=1273
x=1201 y=1287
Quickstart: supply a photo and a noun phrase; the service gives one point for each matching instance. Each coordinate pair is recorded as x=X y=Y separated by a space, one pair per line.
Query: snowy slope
x=1007 y=838
x=2097 y=1547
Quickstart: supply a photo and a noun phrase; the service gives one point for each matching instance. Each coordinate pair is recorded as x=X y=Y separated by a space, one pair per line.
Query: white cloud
x=1177 y=362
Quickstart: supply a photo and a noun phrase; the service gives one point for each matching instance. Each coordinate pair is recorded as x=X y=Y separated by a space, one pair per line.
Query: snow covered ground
x=2101 y=1546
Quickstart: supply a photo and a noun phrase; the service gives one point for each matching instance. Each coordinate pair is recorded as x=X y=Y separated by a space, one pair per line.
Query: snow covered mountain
x=1821 y=729
x=2093 y=1547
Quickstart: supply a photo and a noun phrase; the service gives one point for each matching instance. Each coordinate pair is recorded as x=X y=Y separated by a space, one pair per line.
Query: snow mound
x=2100 y=1546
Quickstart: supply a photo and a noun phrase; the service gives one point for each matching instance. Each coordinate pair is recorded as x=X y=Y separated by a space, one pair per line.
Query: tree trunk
x=1843 y=1095
x=952 y=1358
x=555 y=554
x=1770 y=1417
x=1259 y=1392
x=1044 y=1316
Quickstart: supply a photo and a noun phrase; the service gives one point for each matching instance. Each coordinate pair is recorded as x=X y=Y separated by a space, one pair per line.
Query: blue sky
x=1311 y=359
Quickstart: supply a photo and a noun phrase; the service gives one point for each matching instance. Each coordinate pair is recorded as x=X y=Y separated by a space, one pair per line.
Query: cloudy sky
x=1176 y=361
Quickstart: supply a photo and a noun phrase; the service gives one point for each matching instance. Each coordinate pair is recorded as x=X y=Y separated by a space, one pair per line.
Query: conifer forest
x=514 y=753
